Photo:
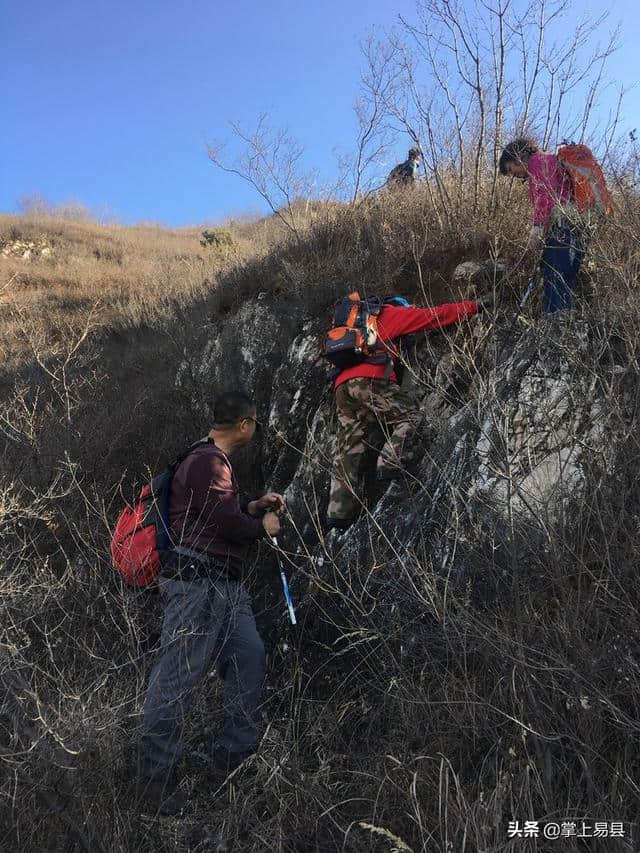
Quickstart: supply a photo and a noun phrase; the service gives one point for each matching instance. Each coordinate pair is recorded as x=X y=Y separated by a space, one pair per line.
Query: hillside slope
x=466 y=655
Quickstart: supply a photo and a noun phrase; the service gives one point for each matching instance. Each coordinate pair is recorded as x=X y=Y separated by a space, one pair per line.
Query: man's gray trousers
x=206 y=623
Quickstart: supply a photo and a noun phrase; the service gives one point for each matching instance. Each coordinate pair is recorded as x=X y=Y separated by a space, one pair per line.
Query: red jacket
x=395 y=322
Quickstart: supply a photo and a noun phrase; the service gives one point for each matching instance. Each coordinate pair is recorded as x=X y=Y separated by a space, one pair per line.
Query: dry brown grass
x=123 y=277
x=424 y=719
x=118 y=277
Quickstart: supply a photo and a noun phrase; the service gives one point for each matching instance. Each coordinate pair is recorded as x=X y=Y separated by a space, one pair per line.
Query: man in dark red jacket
x=367 y=403
x=208 y=618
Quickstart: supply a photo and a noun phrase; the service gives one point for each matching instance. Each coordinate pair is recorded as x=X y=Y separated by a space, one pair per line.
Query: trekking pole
x=285 y=585
x=531 y=285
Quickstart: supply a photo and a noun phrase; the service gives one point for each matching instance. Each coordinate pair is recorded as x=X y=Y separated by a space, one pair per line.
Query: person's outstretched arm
x=396 y=322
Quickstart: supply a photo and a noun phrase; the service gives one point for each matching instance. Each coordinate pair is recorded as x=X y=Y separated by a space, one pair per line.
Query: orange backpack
x=353 y=337
x=588 y=186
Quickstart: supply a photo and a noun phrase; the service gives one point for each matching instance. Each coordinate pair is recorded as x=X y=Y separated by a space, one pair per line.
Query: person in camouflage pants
x=367 y=410
x=369 y=401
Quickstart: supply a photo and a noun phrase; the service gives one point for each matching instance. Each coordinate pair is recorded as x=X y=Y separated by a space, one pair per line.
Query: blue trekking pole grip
x=285 y=585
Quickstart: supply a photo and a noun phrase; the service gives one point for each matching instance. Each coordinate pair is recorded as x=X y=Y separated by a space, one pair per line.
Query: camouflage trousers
x=370 y=413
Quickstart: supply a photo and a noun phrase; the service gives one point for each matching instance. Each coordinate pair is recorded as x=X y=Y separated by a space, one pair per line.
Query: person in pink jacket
x=556 y=233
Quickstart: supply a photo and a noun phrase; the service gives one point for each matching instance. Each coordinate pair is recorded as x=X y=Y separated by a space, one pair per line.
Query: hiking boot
x=218 y=758
x=340 y=524
x=161 y=796
x=225 y=761
x=388 y=475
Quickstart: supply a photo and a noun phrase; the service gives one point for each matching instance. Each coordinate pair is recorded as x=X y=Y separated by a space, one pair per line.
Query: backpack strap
x=406 y=344
x=170 y=471
x=182 y=456
x=389 y=369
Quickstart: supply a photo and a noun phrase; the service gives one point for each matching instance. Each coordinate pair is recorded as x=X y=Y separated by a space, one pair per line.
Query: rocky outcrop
x=26 y=249
x=479 y=276
x=513 y=430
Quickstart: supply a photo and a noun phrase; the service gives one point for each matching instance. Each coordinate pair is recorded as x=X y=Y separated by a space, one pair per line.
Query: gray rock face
x=479 y=276
x=507 y=448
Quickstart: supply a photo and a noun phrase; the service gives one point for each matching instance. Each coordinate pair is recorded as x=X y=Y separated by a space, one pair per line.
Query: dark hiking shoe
x=395 y=483
x=161 y=796
x=225 y=761
x=231 y=768
x=222 y=767
x=217 y=758
x=388 y=475
x=340 y=524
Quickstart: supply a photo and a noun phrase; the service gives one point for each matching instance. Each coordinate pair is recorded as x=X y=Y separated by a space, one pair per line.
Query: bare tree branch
x=271 y=163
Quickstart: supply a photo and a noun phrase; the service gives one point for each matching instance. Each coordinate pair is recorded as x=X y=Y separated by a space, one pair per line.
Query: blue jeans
x=563 y=253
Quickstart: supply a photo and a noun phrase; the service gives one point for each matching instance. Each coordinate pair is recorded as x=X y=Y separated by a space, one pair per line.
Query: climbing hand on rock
x=485 y=302
x=535 y=239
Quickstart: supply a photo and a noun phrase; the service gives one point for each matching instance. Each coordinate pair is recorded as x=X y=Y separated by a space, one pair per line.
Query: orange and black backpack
x=353 y=337
x=588 y=186
x=142 y=532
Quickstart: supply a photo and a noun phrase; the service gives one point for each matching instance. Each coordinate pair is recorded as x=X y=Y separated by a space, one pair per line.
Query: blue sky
x=111 y=102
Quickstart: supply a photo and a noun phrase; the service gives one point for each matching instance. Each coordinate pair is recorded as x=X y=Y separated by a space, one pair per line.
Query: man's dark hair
x=517 y=151
x=231 y=407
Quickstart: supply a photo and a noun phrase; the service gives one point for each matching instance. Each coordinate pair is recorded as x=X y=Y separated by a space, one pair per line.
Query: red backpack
x=142 y=529
x=588 y=186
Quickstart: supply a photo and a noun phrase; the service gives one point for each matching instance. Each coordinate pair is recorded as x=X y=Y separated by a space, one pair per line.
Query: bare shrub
x=270 y=161
x=458 y=80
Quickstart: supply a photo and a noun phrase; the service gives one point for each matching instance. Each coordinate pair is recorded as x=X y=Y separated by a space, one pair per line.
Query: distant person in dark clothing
x=405 y=174
x=208 y=617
